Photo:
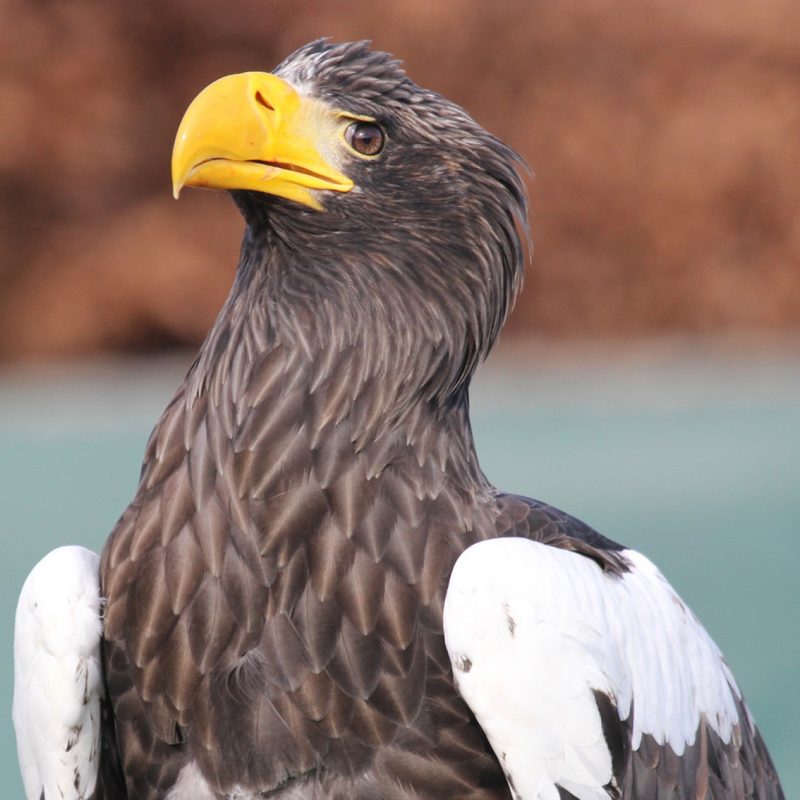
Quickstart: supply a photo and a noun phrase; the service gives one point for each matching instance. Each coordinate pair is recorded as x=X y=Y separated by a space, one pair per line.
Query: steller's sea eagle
x=316 y=592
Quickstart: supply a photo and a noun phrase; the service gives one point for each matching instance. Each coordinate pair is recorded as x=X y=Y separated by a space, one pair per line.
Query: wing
x=58 y=682
x=596 y=685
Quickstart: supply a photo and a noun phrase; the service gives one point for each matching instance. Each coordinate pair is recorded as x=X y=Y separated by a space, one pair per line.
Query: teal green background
x=687 y=452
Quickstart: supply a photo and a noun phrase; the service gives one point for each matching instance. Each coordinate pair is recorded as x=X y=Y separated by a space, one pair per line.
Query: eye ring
x=366 y=138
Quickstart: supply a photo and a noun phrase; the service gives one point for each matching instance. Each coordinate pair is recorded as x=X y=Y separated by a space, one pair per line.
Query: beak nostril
x=260 y=99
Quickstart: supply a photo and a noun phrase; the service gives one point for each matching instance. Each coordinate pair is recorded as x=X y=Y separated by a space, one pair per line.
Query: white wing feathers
x=58 y=676
x=533 y=631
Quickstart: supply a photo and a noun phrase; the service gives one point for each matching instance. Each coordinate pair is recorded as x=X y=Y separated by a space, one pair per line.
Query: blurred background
x=655 y=386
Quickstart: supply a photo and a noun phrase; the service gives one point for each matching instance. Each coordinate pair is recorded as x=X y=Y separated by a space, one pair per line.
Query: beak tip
x=178 y=181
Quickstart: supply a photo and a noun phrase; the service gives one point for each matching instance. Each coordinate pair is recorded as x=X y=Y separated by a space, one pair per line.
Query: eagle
x=315 y=591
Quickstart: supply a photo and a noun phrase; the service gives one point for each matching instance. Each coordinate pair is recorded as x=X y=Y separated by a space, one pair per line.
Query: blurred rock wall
x=664 y=138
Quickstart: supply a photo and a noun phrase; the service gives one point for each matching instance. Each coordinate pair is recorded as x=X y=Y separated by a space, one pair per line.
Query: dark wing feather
x=708 y=768
x=532 y=519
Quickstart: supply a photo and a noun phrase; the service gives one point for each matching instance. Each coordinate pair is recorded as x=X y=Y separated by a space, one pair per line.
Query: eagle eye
x=366 y=138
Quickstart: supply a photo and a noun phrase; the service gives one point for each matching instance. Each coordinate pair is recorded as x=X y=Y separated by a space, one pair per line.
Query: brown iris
x=366 y=138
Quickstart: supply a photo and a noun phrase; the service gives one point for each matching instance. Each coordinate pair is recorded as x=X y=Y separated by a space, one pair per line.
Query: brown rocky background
x=664 y=137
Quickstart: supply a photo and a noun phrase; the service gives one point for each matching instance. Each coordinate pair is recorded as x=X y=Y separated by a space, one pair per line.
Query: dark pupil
x=367 y=138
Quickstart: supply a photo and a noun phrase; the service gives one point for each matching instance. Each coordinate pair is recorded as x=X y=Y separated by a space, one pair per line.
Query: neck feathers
x=293 y=433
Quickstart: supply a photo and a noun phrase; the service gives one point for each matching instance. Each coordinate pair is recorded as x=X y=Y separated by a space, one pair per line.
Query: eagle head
x=379 y=214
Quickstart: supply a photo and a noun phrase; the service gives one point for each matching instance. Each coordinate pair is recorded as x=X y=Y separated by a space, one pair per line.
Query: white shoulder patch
x=532 y=631
x=58 y=676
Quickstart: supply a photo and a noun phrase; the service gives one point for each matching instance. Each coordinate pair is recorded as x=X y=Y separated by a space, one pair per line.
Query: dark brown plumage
x=275 y=588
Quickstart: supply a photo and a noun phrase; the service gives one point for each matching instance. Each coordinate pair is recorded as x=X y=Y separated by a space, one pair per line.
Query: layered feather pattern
x=275 y=588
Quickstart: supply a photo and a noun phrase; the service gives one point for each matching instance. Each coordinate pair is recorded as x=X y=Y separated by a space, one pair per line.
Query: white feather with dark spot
x=543 y=629
x=58 y=681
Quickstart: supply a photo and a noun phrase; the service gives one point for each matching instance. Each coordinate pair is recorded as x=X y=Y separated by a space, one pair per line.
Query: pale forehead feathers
x=354 y=78
x=349 y=70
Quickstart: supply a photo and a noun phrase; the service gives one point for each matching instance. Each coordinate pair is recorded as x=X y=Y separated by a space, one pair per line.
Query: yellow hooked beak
x=254 y=131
